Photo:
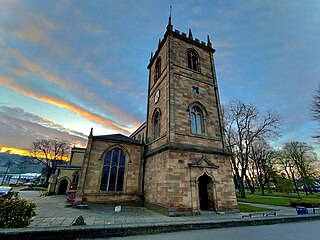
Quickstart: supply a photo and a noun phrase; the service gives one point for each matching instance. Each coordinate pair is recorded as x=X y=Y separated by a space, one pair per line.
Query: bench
x=82 y=206
x=259 y=214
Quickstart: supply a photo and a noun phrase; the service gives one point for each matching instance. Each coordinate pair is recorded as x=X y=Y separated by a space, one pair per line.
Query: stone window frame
x=193 y=60
x=156 y=126
x=204 y=115
x=157 y=69
x=127 y=160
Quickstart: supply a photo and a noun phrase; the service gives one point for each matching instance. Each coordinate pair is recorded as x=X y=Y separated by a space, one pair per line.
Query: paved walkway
x=52 y=212
x=53 y=220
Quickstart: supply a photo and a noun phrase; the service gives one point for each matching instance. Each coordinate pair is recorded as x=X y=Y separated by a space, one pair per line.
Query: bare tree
x=299 y=158
x=315 y=108
x=290 y=170
x=48 y=152
x=262 y=156
x=244 y=124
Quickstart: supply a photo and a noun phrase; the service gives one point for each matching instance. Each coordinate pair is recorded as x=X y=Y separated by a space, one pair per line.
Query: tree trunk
x=305 y=189
x=294 y=183
x=49 y=172
x=235 y=182
x=251 y=187
x=262 y=190
x=241 y=188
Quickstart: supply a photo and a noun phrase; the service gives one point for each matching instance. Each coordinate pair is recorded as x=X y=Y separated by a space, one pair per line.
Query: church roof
x=117 y=137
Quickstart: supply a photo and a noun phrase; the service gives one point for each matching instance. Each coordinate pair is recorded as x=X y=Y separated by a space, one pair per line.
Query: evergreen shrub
x=16 y=212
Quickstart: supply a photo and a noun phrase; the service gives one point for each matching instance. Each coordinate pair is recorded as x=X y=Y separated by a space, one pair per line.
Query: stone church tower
x=187 y=168
x=175 y=162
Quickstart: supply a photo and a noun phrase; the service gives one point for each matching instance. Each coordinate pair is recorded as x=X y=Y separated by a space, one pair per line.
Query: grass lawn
x=247 y=208
x=270 y=200
x=278 y=199
x=34 y=188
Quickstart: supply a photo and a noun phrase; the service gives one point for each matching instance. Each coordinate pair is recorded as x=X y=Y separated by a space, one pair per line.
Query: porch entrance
x=63 y=186
x=206 y=193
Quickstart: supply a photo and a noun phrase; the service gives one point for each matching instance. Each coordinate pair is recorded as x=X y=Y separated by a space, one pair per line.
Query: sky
x=69 y=66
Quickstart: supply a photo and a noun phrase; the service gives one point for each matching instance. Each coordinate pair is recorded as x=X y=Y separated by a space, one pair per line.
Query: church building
x=176 y=162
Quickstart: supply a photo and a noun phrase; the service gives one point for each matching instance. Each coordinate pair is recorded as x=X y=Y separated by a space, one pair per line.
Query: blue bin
x=301 y=210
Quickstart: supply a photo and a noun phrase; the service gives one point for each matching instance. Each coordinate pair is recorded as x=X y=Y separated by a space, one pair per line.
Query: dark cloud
x=19 y=128
x=94 y=54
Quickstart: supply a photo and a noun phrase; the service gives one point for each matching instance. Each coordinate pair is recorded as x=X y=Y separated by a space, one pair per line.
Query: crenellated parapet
x=183 y=36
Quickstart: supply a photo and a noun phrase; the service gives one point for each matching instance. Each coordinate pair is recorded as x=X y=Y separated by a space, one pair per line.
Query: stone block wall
x=161 y=85
x=156 y=180
x=183 y=80
x=141 y=133
x=171 y=183
x=77 y=156
x=132 y=188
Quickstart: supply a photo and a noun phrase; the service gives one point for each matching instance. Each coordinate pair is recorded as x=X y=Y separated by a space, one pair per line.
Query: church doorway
x=63 y=186
x=206 y=193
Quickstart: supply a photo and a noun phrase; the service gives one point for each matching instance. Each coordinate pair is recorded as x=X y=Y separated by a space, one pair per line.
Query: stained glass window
x=113 y=171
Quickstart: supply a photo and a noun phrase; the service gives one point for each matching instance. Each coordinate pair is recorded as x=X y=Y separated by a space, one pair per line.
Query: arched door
x=63 y=186
x=206 y=192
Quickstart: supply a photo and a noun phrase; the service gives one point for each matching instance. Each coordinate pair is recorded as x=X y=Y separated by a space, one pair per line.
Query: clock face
x=157 y=96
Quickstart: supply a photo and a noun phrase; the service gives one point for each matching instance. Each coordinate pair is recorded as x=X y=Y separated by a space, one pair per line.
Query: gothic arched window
x=196 y=120
x=193 y=60
x=75 y=178
x=157 y=70
x=156 y=124
x=113 y=171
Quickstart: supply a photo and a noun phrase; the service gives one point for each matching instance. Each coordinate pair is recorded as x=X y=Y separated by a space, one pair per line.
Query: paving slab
x=55 y=219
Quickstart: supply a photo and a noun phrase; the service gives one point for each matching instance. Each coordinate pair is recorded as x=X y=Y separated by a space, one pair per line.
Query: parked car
x=6 y=192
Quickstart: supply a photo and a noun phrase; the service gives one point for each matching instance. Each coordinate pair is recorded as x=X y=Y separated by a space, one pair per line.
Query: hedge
x=308 y=203
x=16 y=212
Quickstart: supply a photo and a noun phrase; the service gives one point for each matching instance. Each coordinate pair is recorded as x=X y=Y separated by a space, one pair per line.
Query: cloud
x=37 y=69
x=20 y=128
x=109 y=124
x=71 y=87
x=32 y=33
x=102 y=80
x=19 y=72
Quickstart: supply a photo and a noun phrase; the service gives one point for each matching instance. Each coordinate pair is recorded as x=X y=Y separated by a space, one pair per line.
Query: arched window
x=196 y=120
x=75 y=178
x=193 y=60
x=157 y=70
x=156 y=124
x=113 y=171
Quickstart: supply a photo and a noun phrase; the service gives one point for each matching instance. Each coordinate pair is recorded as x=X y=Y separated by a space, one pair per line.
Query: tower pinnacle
x=170 y=27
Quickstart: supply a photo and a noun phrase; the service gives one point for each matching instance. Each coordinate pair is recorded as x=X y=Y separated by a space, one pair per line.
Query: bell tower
x=187 y=167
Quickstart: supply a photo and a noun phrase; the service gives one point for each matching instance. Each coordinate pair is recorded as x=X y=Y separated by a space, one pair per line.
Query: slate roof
x=117 y=137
